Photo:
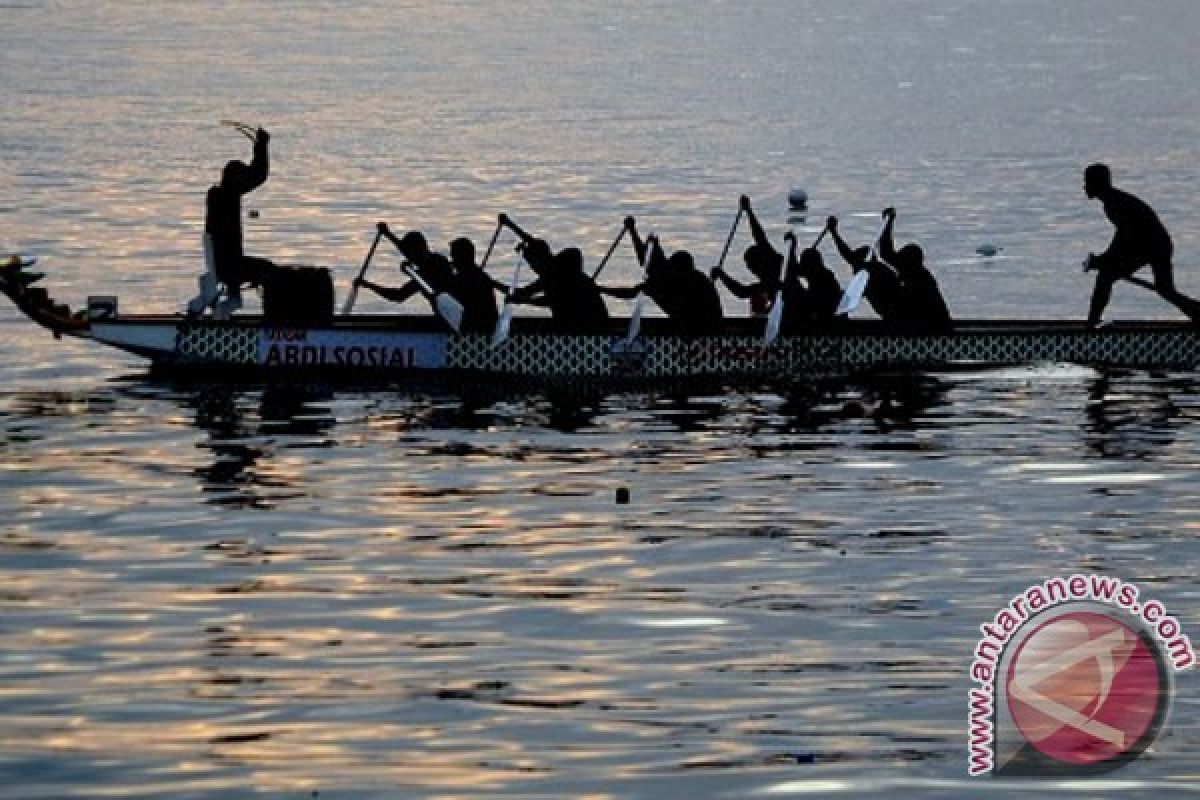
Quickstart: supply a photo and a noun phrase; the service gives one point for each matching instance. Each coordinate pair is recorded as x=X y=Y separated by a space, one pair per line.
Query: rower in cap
x=683 y=292
x=433 y=268
x=575 y=303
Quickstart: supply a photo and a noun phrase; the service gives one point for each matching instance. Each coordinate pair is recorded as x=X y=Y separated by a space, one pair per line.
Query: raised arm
x=844 y=250
x=736 y=287
x=639 y=244
x=388 y=293
x=624 y=292
x=756 y=228
x=793 y=263
x=887 y=248
x=260 y=165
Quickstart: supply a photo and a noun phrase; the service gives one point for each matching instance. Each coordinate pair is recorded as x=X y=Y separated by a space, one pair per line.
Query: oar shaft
x=491 y=245
x=729 y=239
x=362 y=273
x=611 y=249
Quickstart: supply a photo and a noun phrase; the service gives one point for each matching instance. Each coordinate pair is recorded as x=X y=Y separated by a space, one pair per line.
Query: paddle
x=712 y=275
x=500 y=333
x=858 y=284
x=775 y=317
x=362 y=273
x=450 y=309
x=611 y=249
x=492 y=244
x=639 y=304
x=1189 y=307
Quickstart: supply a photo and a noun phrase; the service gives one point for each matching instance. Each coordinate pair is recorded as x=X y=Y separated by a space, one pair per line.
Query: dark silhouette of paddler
x=1140 y=240
x=223 y=221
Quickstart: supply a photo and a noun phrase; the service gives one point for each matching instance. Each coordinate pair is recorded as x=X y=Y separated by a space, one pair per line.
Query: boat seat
x=214 y=294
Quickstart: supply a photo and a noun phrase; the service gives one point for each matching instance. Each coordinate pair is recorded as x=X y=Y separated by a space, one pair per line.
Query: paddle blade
x=854 y=292
x=774 y=320
x=635 y=319
x=450 y=309
x=500 y=334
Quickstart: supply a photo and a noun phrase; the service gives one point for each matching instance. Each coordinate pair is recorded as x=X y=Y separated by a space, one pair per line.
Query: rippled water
x=222 y=591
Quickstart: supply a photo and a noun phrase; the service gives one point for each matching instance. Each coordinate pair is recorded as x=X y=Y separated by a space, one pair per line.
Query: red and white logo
x=1085 y=689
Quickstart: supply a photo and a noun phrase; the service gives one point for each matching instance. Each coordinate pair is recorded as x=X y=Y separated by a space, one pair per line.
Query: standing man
x=223 y=220
x=1140 y=239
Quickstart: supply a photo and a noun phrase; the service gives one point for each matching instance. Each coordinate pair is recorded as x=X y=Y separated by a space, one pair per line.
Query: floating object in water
x=252 y=213
x=623 y=496
x=987 y=250
x=798 y=199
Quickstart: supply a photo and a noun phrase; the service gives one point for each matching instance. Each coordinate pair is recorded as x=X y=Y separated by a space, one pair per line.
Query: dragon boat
x=399 y=347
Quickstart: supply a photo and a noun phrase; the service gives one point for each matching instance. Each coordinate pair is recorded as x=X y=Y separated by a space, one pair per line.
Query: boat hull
x=393 y=348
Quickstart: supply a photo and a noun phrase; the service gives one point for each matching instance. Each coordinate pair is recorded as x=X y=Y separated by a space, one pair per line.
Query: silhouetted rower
x=762 y=260
x=474 y=288
x=575 y=303
x=884 y=291
x=433 y=268
x=923 y=307
x=683 y=292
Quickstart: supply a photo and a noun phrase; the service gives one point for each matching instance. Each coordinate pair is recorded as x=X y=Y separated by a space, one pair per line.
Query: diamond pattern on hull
x=218 y=344
x=674 y=357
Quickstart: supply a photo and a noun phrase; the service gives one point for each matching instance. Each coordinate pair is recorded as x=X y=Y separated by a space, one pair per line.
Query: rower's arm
x=260 y=164
x=887 y=248
x=624 y=292
x=639 y=244
x=756 y=229
x=736 y=287
x=844 y=250
x=395 y=295
x=529 y=294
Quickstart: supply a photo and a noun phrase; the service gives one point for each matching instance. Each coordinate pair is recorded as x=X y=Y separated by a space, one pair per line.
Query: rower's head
x=811 y=261
x=234 y=173
x=910 y=257
x=537 y=254
x=571 y=259
x=1097 y=179
x=414 y=247
x=762 y=262
x=462 y=252
x=681 y=261
x=860 y=255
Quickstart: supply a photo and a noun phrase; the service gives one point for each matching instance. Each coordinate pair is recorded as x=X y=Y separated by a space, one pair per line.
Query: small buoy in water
x=988 y=250
x=798 y=199
x=623 y=496
x=253 y=213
